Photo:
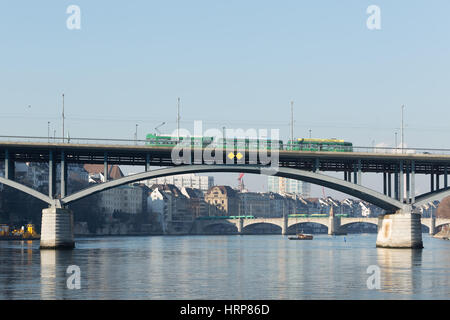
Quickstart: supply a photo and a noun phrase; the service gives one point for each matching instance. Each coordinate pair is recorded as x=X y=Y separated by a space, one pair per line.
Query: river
x=226 y=267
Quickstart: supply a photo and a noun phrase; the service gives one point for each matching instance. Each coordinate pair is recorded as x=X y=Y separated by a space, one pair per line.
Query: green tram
x=300 y=144
x=202 y=142
x=335 y=145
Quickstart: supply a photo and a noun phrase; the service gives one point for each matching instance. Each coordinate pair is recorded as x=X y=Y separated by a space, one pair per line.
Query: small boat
x=301 y=236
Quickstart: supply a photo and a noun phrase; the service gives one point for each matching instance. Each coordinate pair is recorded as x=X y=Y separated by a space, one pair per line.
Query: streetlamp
x=48 y=131
x=135 y=135
x=403 y=135
x=63 y=117
x=396 y=142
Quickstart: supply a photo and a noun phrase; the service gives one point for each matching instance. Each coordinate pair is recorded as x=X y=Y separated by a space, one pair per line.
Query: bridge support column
x=57 y=229
x=240 y=226
x=334 y=224
x=9 y=166
x=432 y=226
x=284 y=228
x=400 y=230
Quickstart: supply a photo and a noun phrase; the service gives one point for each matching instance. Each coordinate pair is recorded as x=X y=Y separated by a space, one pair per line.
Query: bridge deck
x=161 y=156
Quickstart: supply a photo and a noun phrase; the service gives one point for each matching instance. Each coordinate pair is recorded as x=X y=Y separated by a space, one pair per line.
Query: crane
x=159 y=126
x=241 y=182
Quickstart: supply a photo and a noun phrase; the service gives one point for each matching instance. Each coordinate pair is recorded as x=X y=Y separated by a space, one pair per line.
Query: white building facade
x=284 y=185
x=185 y=180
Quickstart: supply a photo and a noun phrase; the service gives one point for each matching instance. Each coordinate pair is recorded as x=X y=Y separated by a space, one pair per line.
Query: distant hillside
x=443 y=210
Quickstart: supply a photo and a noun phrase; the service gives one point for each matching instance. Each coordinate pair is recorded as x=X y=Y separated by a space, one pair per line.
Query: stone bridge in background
x=335 y=225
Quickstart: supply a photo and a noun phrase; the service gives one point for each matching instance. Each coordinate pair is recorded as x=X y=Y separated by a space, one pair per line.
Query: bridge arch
x=27 y=190
x=358 y=191
x=205 y=227
x=297 y=225
x=251 y=224
x=431 y=196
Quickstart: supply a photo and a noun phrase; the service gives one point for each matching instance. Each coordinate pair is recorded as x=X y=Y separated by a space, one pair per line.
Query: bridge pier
x=57 y=229
x=402 y=229
x=284 y=228
x=432 y=226
x=240 y=226
x=334 y=224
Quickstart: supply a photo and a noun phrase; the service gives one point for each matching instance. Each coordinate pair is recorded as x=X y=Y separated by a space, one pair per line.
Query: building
x=129 y=199
x=172 y=208
x=197 y=204
x=96 y=172
x=203 y=183
x=254 y=204
x=284 y=185
x=223 y=201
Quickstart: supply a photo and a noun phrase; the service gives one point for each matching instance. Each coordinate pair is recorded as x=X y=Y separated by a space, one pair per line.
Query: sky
x=232 y=63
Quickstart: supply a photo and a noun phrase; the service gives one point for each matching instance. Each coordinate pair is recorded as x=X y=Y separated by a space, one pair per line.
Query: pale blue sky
x=233 y=63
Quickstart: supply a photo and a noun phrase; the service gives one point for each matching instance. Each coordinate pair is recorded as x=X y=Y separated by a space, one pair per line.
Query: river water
x=226 y=267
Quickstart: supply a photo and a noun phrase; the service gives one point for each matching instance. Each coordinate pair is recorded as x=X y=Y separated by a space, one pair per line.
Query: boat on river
x=301 y=236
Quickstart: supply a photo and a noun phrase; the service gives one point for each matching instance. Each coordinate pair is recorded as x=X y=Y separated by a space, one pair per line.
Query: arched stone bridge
x=335 y=225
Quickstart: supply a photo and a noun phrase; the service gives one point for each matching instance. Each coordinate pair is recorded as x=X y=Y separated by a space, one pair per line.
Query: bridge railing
x=140 y=142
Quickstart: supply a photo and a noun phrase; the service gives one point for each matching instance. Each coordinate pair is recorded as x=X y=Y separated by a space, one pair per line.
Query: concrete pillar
x=389 y=185
x=385 y=183
x=432 y=181
x=10 y=170
x=408 y=185
x=316 y=165
x=51 y=175
x=413 y=182
x=396 y=194
x=402 y=229
x=57 y=229
x=432 y=225
x=401 y=194
x=240 y=226
x=334 y=224
x=63 y=175
x=359 y=179
x=147 y=162
x=437 y=181
x=105 y=166
x=445 y=177
x=284 y=228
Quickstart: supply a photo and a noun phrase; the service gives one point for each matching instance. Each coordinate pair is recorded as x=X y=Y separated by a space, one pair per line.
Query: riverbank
x=444 y=234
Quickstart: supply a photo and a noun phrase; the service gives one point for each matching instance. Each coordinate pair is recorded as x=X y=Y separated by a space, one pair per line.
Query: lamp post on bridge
x=135 y=135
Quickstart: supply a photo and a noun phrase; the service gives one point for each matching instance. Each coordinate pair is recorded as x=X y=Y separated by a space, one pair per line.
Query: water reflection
x=400 y=270
x=225 y=267
x=53 y=277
